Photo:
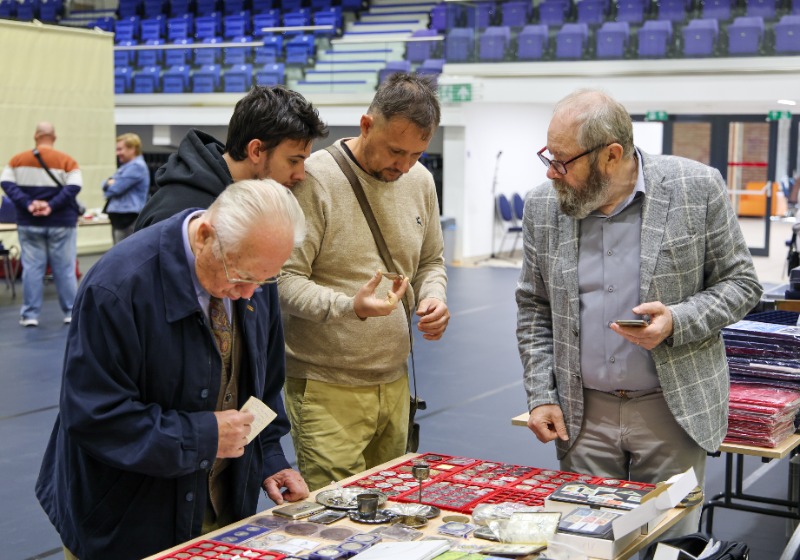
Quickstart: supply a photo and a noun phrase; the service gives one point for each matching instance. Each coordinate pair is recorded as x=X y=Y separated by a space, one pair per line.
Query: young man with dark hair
x=269 y=136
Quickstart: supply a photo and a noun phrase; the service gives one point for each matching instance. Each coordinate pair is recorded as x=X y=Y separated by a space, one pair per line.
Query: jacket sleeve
x=731 y=286
x=127 y=177
x=534 y=319
x=8 y=180
x=103 y=407
x=274 y=458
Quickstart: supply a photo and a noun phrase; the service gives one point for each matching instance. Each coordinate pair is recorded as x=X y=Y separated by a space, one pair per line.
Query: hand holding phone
x=634 y=323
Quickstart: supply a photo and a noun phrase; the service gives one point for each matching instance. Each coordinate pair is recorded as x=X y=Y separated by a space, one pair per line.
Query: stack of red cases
x=211 y=550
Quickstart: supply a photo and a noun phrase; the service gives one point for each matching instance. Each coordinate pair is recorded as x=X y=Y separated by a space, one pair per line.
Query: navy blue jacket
x=125 y=473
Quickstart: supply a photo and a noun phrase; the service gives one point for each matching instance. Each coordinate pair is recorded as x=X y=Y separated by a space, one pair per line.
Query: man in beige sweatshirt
x=347 y=338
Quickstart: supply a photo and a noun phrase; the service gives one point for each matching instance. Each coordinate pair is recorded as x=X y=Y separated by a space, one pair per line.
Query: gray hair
x=600 y=119
x=410 y=97
x=247 y=205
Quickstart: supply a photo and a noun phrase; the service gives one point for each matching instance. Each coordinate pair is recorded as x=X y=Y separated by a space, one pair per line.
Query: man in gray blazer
x=619 y=234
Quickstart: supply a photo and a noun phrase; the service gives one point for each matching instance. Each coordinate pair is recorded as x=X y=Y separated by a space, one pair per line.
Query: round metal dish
x=381 y=516
x=334 y=499
x=413 y=521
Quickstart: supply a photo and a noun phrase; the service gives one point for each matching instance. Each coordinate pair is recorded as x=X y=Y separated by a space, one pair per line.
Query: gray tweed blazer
x=693 y=259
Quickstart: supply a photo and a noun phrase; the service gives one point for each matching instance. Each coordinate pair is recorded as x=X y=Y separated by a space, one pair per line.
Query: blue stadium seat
x=206 y=7
x=516 y=13
x=745 y=35
x=180 y=27
x=787 y=34
x=129 y=8
x=176 y=79
x=271 y=74
x=532 y=42
x=154 y=8
x=290 y=5
x=493 y=43
x=393 y=67
x=631 y=11
x=261 y=6
x=459 y=45
x=179 y=8
x=480 y=15
x=700 y=37
x=717 y=9
x=8 y=9
x=238 y=79
x=300 y=49
x=272 y=18
x=571 y=41
x=50 y=11
x=206 y=56
x=431 y=67
x=299 y=18
x=592 y=12
x=317 y=5
x=439 y=17
x=126 y=30
x=672 y=10
x=270 y=52
x=237 y=55
x=352 y=5
x=417 y=51
x=795 y=10
x=761 y=8
x=230 y=7
x=328 y=16
x=153 y=28
x=178 y=57
x=124 y=58
x=206 y=78
x=206 y=27
x=655 y=38
x=27 y=10
x=147 y=80
x=150 y=57
x=123 y=79
x=553 y=12
x=235 y=26
x=612 y=39
x=106 y=23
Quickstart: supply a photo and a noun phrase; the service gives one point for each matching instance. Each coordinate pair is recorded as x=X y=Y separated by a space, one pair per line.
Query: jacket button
x=228 y=397
x=204 y=393
x=204 y=464
x=574 y=332
x=190 y=496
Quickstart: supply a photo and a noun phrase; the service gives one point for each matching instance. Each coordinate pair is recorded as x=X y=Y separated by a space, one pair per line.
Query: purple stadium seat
x=206 y=79
x=431 y=67
x=232 y=56
x=787 y=34
x=153 y=28
x=178 y=57
x=439 y=17
x=592 y=12
x=179 y=8
x=459 y=45
x=493 y=43
x=332 y=16
x=238 y=79
x=147 y=80
x=745 y=35
x=126 y=29
x=655 y=38
x=154 y=8
x=270 y=74
x=761 y=8
x=270 y=52
x=180 y=27
x=176 y=79
x=393 y=67
x=480 y=15
x=516 y=13
x=571 y=41
x=417 y=51
x=612 y=39
x=700 y=37
x=300 y=49
x=532 y=42
x=631 y=11
x=553 y=12
x=236 y=25
x=124 y=58
x=673 y=10
x=271 y=18
x=150 y=57
x=717 y=9
x=207 y=56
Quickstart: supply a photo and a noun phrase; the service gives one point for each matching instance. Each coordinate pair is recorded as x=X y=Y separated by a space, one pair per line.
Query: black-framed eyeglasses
x=230 y=280
x=561 y=166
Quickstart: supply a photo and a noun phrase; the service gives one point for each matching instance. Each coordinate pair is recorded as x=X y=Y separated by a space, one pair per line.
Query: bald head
x=45 y=134
x=596 y=119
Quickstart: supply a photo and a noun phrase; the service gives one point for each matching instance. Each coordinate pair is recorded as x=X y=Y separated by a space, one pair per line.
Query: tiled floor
x=471 y=380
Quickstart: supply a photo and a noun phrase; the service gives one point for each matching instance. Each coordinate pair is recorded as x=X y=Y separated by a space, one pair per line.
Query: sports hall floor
x=471 y=380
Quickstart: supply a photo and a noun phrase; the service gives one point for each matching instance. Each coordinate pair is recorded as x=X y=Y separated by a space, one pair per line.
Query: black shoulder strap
x=44 y=166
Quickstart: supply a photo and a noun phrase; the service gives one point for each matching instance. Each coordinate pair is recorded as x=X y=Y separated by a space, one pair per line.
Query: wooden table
x=673 y=516
x=734 y=475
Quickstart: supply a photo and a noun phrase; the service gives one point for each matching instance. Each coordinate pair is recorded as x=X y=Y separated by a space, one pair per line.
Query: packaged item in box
x=589 y=522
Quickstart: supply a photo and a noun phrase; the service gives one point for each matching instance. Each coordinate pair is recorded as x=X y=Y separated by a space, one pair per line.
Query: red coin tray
x=211 y=550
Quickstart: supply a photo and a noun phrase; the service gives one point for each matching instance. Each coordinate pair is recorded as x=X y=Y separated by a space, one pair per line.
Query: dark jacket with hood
x=193 y=177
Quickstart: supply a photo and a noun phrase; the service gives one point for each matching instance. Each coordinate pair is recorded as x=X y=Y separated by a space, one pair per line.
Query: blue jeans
x=40 y=245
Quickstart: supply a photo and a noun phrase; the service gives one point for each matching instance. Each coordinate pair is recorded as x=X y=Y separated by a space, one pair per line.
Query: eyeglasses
x=273 y=280
x=561 y=166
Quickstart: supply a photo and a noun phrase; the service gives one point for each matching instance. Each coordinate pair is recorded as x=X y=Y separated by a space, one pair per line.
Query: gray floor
x=471 y=380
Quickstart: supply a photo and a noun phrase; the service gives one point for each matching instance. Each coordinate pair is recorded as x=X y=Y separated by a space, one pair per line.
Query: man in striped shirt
x=47 y=215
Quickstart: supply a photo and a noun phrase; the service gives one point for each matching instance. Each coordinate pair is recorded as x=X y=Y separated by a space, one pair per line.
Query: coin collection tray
x=461 y=483
x=211 y=550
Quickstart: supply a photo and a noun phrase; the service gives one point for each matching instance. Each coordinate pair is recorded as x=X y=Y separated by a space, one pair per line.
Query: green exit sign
x=656 y=116
x=455 y=93
x=779 y=115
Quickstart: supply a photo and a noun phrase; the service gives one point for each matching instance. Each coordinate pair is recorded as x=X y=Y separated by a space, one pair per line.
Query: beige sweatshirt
x=325 y=340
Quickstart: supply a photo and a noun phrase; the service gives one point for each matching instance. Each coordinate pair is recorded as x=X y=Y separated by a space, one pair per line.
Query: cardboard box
x=631 y=524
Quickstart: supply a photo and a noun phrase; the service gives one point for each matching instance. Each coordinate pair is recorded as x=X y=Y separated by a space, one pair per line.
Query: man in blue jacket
x=126 y=190
x=174 y=330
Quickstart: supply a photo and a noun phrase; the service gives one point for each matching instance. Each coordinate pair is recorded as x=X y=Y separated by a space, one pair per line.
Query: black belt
x=625 y=394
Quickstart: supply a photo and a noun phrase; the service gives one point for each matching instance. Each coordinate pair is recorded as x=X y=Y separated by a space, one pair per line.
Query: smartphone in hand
x=635 y=323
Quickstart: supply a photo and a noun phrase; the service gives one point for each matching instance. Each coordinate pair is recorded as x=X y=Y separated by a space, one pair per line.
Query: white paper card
x=264 y=415
x=666 y=552
x=419 y=550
